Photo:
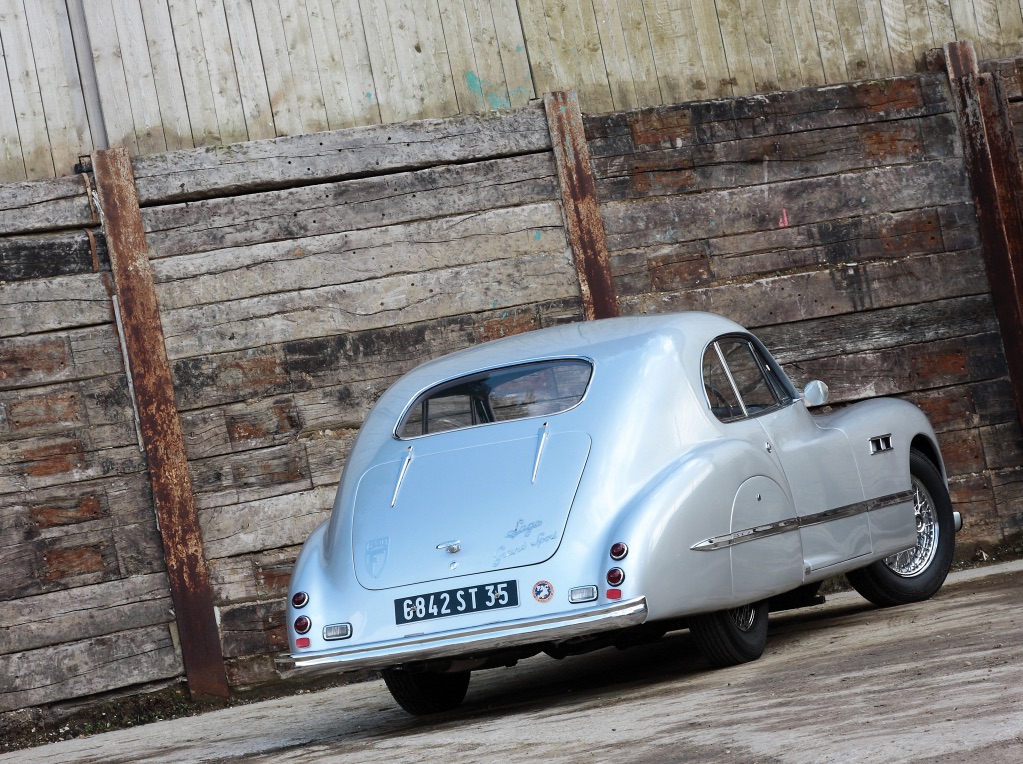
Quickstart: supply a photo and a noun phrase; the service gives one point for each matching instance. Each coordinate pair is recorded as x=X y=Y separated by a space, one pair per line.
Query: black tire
x=729 y=637
x=426 y=692
x=917 y=573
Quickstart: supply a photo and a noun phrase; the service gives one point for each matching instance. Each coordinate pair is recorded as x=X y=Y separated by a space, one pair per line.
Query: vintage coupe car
x=599 y=484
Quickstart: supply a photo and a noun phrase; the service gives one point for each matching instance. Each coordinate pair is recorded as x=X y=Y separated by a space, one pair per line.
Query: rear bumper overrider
x=478 y=639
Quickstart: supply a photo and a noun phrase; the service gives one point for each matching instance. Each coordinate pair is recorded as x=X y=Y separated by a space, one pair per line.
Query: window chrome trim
x=795 y=523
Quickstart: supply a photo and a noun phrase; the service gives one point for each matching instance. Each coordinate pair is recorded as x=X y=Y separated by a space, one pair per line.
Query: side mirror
x=815 y=393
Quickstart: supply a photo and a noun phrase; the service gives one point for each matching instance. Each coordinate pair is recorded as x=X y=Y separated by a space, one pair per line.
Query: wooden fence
x=295 y=284
x=162 y=75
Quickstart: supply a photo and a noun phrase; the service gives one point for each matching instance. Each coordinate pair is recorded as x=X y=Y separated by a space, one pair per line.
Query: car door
x=818 y=462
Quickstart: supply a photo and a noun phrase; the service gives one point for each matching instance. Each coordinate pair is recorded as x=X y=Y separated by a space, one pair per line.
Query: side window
x=739 y=381
x=718 y=387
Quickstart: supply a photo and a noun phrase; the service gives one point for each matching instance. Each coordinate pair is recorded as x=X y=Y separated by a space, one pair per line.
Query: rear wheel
x=426 y=692
x=729 y=637
x=916 y=573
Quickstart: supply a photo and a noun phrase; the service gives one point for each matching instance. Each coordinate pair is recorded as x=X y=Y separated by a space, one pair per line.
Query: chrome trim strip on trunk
x=794 y=523
x=493 y=636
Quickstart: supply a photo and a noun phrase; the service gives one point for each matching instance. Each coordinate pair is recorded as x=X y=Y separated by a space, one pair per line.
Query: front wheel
x=729 y=637
x=426 y=692
x=916 y=573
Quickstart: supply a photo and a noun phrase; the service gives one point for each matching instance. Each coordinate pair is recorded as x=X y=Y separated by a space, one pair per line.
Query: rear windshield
x=499 y=395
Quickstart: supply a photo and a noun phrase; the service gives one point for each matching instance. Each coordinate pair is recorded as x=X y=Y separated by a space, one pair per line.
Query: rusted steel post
x=992 y=162
x=159 y=425
x=579 y=200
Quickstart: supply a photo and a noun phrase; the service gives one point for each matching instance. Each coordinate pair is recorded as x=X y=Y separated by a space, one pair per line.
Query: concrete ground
x=939 y=681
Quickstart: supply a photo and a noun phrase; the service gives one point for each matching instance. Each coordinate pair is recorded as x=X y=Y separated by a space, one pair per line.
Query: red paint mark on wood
x=50 y=516
x=36 y=411
x=32 y=360
x=56 y=459
x=783 y=221
x=663 y=127
x=63 y=563
x=508 y=325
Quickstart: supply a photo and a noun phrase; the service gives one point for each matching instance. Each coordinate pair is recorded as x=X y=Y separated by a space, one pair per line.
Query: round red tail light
x=615 y=576
x=302 y=624
x=619 y=550
x=299 y=600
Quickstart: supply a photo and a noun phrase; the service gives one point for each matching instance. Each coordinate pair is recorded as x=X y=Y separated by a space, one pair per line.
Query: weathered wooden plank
x=781 y=299
x=195 y=74
x=758 y=40
x=61 y=302
x=266 y=523
x=107 y=58
x=339 y=111
x=276 y=64
x=664 y=220
x=896 y=28
x=336 y=155
x=12 y=161
x=25 y=91
x=87 y=667
x=732 y=26
x=143 y=97
x=256 y=423
x=233 y=113
x=349 y=205
x=259 y=576
x=327 y=454
x=307 y=78
x=84 y=612
x=51 y=409
x=1007 y=488
x=875 y=34
x=254 y=628
x=1003 y=445
x=514 y=59
x=366 y=305
x=829 y=41
x=67 y=127
x=681 y=74
x=256 y=473
x=249 y=271
x=359 y=72
x=46 y=205
x=167 y=77
x=709 y=34
x=808 y=49
x=48 y=255
x=851 y=34
x=783 y=43
x=252 y=82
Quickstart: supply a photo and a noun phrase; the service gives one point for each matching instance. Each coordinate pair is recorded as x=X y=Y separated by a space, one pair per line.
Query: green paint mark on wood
x=486 y=93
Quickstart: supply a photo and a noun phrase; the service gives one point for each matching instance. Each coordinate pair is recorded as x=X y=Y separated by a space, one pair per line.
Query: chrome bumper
x=445 y=644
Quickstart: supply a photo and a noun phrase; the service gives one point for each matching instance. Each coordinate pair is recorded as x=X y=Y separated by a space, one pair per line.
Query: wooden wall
x=295 y=283
x=84 y=605
x=162 y=75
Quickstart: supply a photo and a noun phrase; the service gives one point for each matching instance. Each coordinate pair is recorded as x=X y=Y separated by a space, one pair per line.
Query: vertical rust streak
x=992 y=162
x=159 y=424
x=579 y=200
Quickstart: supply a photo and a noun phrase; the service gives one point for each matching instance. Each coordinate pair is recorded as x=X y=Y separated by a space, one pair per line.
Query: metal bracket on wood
x=992 y=161
x=159 y=425
x=579 y=200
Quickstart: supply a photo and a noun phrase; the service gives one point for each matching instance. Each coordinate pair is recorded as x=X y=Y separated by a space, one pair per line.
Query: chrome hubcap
x=743 y=617
x=915 y=560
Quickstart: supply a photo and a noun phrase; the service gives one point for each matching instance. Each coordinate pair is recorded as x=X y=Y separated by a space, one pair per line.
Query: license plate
x=468 y=599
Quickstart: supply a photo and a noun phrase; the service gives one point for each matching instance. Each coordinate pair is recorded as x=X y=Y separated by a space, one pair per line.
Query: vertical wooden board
x=177 y=127
x=220 y=60
x=876 y=38
x=195 y=74
x=711 y=48
x=468 y=84
x=1010 y=18
x=786 y=58
x=943 y=30
x=896 y=27
x=681 y=75
x=829 y=41
x=491 y=83
x=514 y=59
x=573 y=32
x=758 y=41
x=234 y=18
x=808 y=53
x=921 y=37
x=418 y=36
x=616 y=55
x=138 y=74
x=986 y=39
x=12 y=163
x=387 y=81
x=110 y=74
x=355 y=53
x=542 y=60
x=964 y=20
x=326 y=45
x=854 y=46
x=25 y=95
x=67 y=124
x=280 y=81
x=295 y=16
x=733 y=37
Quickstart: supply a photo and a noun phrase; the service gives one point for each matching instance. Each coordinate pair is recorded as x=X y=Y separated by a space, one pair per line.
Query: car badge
x=543 y=591
x=376 y=556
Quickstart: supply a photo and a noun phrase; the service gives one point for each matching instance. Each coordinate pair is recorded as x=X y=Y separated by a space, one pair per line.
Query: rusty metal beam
x=992 y=162
x=159 y=425
x=579 y=200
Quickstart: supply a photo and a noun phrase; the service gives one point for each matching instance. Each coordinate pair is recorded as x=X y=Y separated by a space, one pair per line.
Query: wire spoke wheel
x=915 y=560
x=744 y=617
